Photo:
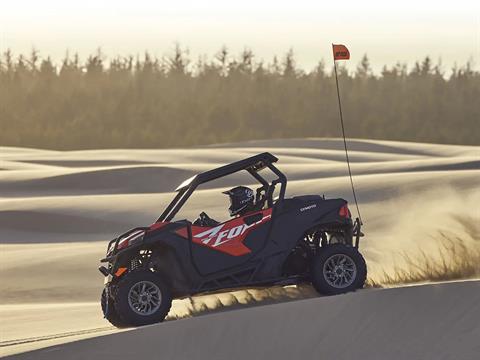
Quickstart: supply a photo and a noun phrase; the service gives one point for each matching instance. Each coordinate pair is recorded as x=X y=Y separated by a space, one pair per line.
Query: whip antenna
x=340 y=52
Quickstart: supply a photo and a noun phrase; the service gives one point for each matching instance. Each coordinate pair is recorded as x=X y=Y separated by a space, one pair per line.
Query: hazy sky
x=387 y=30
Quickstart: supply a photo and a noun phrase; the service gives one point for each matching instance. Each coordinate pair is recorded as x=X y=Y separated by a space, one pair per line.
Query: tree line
x=174 y=101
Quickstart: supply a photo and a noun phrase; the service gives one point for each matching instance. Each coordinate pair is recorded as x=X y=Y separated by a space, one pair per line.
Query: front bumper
x=104 y=270
x=107 y=275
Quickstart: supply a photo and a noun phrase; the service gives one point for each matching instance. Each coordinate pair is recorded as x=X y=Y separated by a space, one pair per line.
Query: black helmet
x=241 y=198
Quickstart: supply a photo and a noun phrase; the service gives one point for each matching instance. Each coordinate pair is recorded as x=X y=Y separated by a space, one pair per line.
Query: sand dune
x=58 y=209
x=423 y=322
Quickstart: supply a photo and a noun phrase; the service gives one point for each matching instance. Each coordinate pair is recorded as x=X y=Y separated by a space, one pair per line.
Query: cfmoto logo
x=308 y=207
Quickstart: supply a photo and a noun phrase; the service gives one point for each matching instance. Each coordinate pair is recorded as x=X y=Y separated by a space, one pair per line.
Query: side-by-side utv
x=280 y=241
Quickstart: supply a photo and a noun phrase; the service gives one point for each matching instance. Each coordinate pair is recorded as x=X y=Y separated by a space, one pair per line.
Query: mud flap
x=357 y=232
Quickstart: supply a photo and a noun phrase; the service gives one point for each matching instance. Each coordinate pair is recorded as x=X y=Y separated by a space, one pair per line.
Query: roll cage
x=252 y=165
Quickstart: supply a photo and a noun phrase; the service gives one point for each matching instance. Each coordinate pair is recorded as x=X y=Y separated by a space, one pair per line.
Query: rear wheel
x=338 y=269
x=142 y=298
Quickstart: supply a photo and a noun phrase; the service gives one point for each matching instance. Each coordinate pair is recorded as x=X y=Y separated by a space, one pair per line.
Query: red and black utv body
x=281 y=241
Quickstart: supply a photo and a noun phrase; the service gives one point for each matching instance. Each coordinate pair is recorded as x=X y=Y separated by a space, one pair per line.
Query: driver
x=242 y=201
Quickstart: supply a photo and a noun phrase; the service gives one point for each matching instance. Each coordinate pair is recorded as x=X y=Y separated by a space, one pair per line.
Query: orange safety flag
x=340 y=52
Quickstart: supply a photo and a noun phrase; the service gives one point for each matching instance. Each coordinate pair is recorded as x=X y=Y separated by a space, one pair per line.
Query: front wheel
x=142 y=298
x=338 y=269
